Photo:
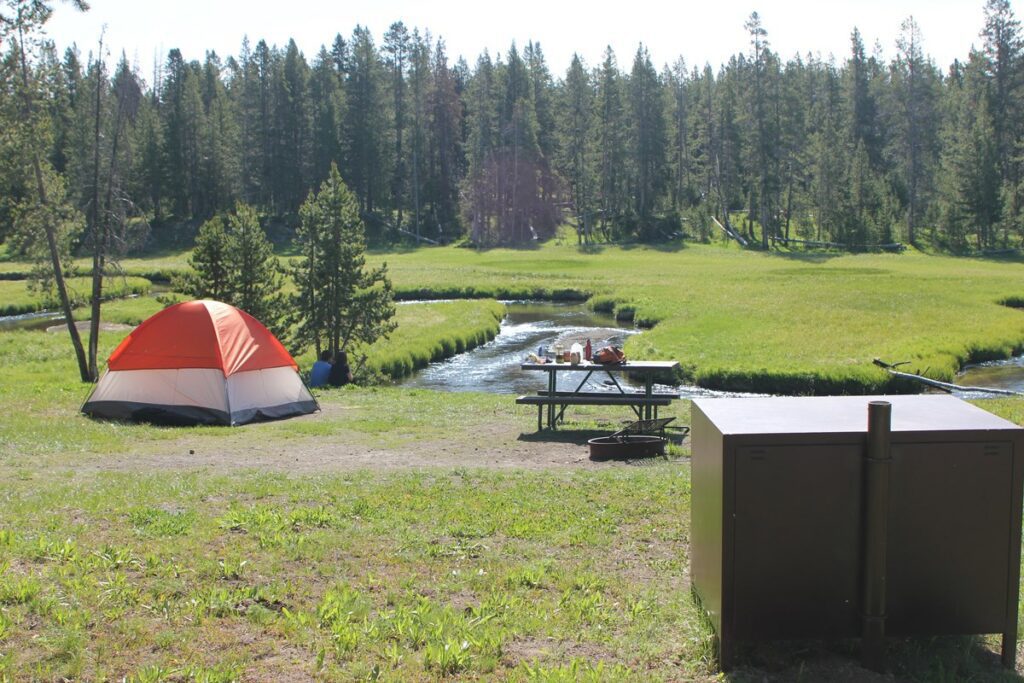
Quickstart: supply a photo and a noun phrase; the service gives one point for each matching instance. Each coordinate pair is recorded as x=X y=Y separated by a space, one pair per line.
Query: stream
x=997 y=374
x=528 y=325
x=30 y=321
x=494 y=367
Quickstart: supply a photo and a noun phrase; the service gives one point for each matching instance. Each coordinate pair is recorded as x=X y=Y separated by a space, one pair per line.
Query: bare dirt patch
x=498 y=444
x=549 y=651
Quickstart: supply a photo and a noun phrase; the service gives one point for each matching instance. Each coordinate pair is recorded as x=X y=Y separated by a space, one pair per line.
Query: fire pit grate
x=635 y=440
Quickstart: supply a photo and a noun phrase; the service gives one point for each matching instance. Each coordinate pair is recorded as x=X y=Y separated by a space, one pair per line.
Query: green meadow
x=391 y=537
x=773 y=323
x=792 y=323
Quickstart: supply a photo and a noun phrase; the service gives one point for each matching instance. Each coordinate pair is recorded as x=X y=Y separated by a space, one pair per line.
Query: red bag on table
x=608 y=355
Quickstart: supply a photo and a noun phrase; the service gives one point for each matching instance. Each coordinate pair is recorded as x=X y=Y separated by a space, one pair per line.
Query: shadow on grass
x=664 y=247
x=807 y=256
x=581 y=435
x=1013 y=256
x=395 y=249
x=565 y=435
x=947 y=658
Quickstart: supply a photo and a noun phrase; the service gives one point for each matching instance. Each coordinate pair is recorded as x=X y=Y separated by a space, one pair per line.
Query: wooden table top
x=628 y=366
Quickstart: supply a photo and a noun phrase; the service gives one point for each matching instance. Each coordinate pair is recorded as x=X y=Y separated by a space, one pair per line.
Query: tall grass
x=431 y=332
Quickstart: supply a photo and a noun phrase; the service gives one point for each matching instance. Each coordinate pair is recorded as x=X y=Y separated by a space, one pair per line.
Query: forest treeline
x=861 y=151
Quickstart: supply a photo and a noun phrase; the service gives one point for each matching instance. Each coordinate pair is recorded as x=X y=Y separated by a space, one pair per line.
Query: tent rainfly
x=200 y=362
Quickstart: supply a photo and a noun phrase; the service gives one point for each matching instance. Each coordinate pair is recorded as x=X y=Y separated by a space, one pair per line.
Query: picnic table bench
x=553 y=402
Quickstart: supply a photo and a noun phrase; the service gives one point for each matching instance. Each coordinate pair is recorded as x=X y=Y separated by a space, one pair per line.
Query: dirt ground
x=505 y=444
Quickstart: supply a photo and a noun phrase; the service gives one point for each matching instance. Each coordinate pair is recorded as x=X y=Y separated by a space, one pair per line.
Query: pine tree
x=1002 y=54
x=326 y=98
x=730 y=166
x=648 y=141
x=292 y=130
x=915 y=125
x=233 y=262
x=108 y=205
x=67 y=82
x=396 y=48
x=702 y=137
x=794 y=178
x=978 y=163
x=257 y=275
x=677 y=94
x=219 y=170
x=342 y=304
x=609 y=132
x=422 y=183
x=182 y=109
x=828 y=161
x=148 y=174
x=212 y=275
x=862 y=106
x=575 y=158
x=763 y=145
x=446 y=137
x=365 y=122
x=481 y=182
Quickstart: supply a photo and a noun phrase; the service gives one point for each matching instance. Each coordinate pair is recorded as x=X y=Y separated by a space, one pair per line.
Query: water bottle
x=588 y=351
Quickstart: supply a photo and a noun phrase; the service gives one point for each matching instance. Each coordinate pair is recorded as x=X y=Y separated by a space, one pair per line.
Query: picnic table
x=554 y=402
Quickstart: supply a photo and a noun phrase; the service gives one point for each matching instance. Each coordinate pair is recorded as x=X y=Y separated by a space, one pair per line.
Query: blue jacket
x=318 y=375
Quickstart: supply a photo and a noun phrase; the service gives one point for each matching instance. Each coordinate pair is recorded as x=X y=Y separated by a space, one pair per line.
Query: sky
x=707 y=31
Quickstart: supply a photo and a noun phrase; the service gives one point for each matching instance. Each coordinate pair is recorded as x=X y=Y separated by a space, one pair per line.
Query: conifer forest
x=858 y=150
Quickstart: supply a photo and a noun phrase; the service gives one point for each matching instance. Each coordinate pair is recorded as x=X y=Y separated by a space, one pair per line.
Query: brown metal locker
x=786 y=522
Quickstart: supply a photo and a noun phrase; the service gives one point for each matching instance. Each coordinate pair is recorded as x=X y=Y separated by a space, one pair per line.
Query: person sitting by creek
x=341 y=373
x=321 y=370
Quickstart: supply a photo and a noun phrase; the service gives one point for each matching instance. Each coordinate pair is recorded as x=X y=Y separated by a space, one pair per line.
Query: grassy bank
x=16 y=297
x=429 y=332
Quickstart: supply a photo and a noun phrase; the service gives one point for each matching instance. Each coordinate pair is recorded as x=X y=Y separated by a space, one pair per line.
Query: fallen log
x=730 y=232
x=944 y=386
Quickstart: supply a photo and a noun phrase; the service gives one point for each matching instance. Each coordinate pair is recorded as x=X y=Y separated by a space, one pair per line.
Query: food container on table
x=575 y=354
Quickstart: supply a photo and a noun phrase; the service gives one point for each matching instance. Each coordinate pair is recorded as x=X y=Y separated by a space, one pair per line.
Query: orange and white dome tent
x=200 y=362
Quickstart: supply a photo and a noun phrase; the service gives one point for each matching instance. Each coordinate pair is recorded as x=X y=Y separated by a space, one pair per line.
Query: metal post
x=552 y=390
x=876 y=512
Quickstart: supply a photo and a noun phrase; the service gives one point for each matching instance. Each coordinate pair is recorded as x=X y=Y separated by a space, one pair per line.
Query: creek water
x=494 y=366
x=44 y=319
x=30 y=321
x=998 y=374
